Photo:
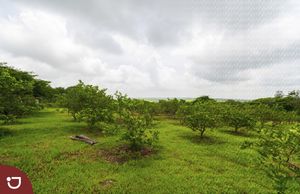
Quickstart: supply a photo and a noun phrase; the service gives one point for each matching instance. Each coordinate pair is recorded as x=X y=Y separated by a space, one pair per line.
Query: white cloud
x=230 y=49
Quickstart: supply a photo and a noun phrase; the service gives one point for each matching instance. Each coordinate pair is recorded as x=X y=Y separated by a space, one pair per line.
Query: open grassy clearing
x=40 y=146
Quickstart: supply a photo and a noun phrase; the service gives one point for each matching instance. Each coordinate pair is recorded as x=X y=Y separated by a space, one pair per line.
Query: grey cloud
x=90 y=36
x=240 y=15
x=232 y=67
x=164 y=22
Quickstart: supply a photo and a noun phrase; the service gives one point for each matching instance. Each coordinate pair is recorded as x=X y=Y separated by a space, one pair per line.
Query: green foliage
x=238 y=117
x=89 y=103
x=137 y=132
x=182 y=113
x=290 y=102
x=202 y=116
x=42 y=90
x=170 y=106
x=136 y=116
x=140 y=107
x=16 y=94
x=279 y=151
x=203 y=99
x=75 y=99
x=263 y=113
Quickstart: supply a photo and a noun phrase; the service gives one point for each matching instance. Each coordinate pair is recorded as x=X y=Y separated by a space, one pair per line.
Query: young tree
x=137 y=106
x=170 y=106
x=137 y=132
x=97 y=106
x=202 y=116
x=182 y=113
x=89 y=103
x=279 y=151
x=75 y=99
x=238 y=117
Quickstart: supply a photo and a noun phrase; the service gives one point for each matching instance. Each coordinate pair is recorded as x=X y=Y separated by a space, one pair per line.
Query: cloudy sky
x=159 y=48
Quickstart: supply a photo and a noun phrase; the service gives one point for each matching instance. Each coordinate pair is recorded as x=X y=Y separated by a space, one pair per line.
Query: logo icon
x=14 y=181
x=19 y=182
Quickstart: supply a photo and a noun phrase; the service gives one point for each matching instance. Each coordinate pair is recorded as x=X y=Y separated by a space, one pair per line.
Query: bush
x=136 y=132
x=16 y=94
x=238 y=117
x=202 y=116
x=88 y=103
x=279 y=151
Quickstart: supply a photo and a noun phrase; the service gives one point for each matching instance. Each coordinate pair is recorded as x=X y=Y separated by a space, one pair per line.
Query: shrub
x=136 y=132
x=16 y=94
x=278 y=150
x=238 y=117
x=89 y=103
x=202 y=116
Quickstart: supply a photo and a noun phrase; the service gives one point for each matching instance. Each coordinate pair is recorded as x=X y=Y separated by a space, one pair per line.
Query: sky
x=159 y=48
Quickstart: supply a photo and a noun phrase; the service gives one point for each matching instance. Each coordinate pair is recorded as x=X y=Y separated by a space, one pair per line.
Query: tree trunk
x=236 y=129
x=74 y=116
x=84 y=139
x=202 y=132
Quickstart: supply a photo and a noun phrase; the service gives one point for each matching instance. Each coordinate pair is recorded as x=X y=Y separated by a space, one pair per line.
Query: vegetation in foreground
x=183 y=163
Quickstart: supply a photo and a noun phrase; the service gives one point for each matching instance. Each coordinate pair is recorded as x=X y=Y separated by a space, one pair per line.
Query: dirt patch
x=82 y=155
x=107 y=182
x=123 y=154
x=118 y=155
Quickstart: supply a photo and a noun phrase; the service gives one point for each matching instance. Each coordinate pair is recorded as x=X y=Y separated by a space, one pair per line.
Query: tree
x=97 y=107
x=203 y=99
x=75 y=99
x=136 y=117
x=137 y=132
x=238 y=117
x=290 y=102
x=170 y=106
x=182 y=113
x=202 y=116
x=137 y=106
x=279 y=151
x=89 y=103
x=16 y=94
x=42 y=90
x=263 y=113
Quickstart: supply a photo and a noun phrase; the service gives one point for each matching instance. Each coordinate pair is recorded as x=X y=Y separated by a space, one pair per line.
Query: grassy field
x=40 y=146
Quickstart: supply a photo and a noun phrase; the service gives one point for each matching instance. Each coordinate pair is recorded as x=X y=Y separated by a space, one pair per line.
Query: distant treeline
x=22 y=93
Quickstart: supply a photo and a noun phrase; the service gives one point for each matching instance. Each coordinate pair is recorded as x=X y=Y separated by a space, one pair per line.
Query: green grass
x=40 y=146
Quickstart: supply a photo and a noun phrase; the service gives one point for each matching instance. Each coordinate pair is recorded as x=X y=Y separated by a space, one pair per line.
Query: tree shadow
x=239 y=133
x=4 y=132
x=122 y=154
x=77 y=130
x=40 y=114
x=205 y=140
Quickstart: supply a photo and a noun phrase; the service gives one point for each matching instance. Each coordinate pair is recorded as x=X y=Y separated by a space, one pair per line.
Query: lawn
x=183 y=163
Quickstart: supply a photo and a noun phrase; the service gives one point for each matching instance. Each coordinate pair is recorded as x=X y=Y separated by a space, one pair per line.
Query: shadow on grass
x=41 y=114
x=5 y=132
x=29 y=119
x=205 y=140
x=78 y=130
x=239 y=133
x=122 y=154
